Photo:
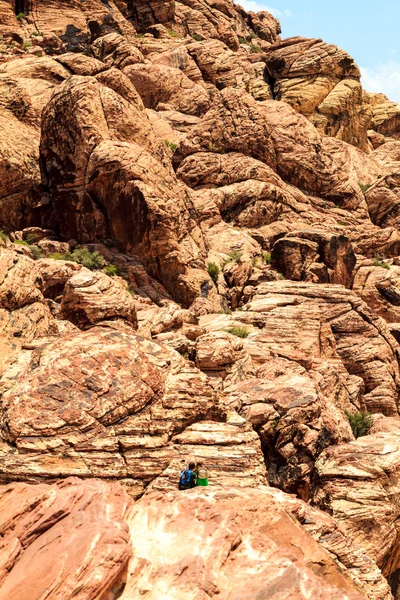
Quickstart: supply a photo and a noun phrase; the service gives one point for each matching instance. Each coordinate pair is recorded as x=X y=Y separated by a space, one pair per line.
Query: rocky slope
x=199 y=259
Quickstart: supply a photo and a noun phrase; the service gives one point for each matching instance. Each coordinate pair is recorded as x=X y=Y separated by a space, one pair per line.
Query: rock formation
x=199 y=260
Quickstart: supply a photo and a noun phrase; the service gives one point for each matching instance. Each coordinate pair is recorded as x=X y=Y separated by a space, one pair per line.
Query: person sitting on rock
x=201 y=474
x=188 y=477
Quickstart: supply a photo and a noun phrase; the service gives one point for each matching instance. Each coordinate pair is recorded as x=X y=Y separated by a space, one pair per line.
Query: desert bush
x=241 y=332
x=111 y=270
x=267 y=257
x=360 y=423
x=171 y=145
x=32 y=238
x=83 y=256
x=90 y=260
x=378 y=262
x=36 y=252
x=213 y=271
x=364 y=187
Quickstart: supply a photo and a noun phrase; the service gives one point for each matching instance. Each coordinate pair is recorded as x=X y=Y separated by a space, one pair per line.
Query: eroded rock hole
x=21 y=7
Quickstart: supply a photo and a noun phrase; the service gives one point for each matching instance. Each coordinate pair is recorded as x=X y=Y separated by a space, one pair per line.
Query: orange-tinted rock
x=64 y=540
x=322 y=82
x=230 y=543
x=91 y=297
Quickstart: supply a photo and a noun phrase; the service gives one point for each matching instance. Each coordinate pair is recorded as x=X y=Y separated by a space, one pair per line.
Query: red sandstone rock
x=63 y=540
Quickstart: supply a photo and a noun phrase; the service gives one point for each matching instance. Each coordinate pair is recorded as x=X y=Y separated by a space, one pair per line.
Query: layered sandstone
x=243 y=192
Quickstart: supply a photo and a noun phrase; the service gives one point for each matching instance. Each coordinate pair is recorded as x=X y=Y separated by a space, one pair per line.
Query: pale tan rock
x=378 y=287
x=350 y=320
x=249 y=536
x=19 y=170
x=90 y=297
x=224 y=68
x=321 y=166
x=322 y=82
x=98 y=131
x=115 y=51
x=357 y=482
x=161 y=86
x=105 y=403
x=55 y=274
x=217 y=350
x=386 y=115
x=63 y=540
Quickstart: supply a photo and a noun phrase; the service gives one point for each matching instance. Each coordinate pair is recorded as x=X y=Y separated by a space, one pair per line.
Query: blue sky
x=368 y=30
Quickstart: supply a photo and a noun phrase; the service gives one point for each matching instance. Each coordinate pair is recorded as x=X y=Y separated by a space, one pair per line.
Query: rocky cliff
x=199 y=260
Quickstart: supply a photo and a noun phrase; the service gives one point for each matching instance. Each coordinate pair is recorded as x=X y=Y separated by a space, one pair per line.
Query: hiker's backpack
x=186 y=480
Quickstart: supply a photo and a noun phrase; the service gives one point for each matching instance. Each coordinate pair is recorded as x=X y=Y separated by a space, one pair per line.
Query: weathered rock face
x=312 y=256
x=322 y=82
x=248 y=535
x=350 y=320
x=206 y=160
x=275 y=134
x=138 y=202
x=90 y=298
x=377 y=285
x=357 y=483
x=65 y=540
x=386 y=115
x=107 y=404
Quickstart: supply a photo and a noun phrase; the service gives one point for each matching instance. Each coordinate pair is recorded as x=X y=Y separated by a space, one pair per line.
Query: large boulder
x=358 y=484
x=91 y=297
x=230 y=543
x=314 y=256
x=322 y=82
x=86 y=128
x=109 y=404
x=64 y=540
x=286 y=141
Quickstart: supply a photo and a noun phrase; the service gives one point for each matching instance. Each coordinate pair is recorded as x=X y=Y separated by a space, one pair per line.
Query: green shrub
x=3 y=236
x=364 y=187
x=35 y=33
x=111 y=270
x=36 y=252
x=83 y=256
x=254 y=49
x=61 y=256
x=236 y=256
x=173 y=33
x=213 y=271
x=360 y=422
x=90 y=260
x=213 y=148
x=197 y=37
x=241 y=40
x=21 y=16
x=252 y=35
x=378 y=262
x=31 y=238
x=140 y=35
x=27 y=44
x=267 y=257
x=171 y=145
x=241 y=332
